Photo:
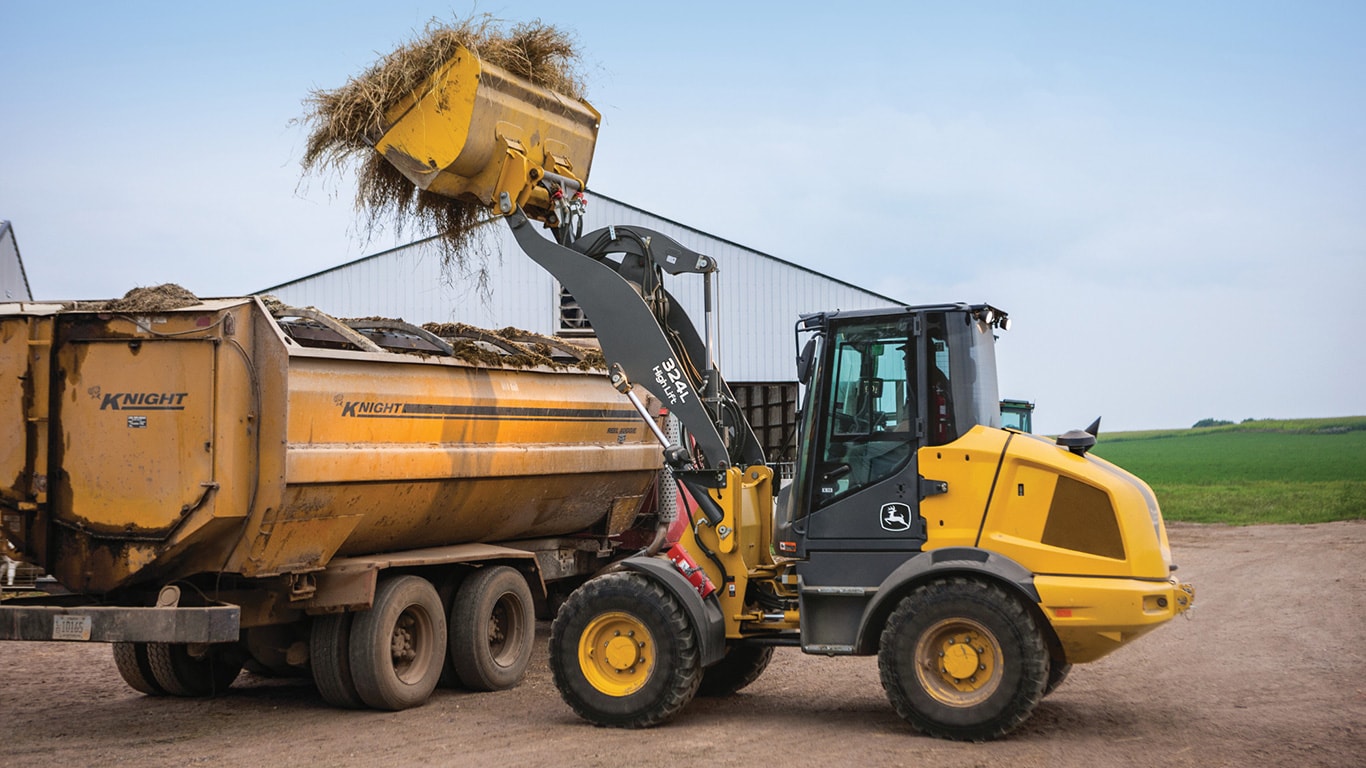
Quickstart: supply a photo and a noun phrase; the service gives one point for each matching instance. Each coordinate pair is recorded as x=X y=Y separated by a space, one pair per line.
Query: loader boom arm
x=644 y=332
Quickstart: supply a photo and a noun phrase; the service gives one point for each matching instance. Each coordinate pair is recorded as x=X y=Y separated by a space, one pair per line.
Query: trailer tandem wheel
x=136 y=670
x=397 y=647
x=492 y=629
x=329 y=653
x=194 y=669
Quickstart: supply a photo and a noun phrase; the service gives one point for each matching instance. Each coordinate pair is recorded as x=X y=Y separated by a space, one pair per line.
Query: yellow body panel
x=475 y=131
x=1092 y=617
x=1020 y=510
x=968 y=465
x=1023 y=480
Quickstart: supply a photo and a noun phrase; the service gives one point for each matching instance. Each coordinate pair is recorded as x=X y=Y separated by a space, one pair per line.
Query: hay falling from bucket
x=341 y=119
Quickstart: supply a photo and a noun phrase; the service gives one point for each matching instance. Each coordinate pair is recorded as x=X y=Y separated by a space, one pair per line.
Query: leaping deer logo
x=896 y=517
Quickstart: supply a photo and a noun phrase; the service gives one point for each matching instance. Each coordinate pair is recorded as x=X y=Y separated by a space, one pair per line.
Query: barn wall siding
x=759 y=297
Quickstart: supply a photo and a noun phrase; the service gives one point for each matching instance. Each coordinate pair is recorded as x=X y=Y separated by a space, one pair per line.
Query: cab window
x=870 y=408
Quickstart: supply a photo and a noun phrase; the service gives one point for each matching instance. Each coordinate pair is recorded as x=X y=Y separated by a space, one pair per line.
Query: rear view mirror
x=804 y=361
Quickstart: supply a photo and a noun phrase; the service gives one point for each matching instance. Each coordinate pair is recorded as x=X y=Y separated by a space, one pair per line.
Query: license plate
x=70 y=627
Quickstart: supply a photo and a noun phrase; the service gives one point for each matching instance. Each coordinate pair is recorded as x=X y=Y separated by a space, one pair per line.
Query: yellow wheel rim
x=958 y=662
x=616 y=653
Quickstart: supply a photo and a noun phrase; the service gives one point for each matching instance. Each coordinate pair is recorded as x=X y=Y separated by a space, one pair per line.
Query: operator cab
x=880 y=385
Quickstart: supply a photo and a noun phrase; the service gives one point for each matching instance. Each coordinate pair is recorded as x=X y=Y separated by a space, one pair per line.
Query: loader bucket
x=475 y=131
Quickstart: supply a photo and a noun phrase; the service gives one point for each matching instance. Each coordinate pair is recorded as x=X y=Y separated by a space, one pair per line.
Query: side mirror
x=1077 y=441
x=805 y=360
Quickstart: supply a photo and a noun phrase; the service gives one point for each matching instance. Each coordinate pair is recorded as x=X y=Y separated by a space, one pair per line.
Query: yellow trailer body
x=207 y=440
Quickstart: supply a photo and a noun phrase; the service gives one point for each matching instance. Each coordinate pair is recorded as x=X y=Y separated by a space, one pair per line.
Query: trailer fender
x=705 y=614
x=924 y=566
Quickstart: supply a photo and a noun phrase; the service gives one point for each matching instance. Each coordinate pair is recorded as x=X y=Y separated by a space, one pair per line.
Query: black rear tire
x=492 y=629
x=398 y=647
x=329 y=651
x=962 y=659
x=194 y=670
x=136 y=670
x=741 y=666
x=1057 y=673
x=623 y=652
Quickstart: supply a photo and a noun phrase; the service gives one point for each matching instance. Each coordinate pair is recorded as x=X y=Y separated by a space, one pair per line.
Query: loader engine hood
x=1048 y=509
x=1086 y=515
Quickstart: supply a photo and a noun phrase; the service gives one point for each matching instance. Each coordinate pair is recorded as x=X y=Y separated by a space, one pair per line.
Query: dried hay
x=343 y=119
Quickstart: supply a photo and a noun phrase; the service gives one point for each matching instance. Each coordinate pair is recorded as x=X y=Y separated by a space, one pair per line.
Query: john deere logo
x=896 y=517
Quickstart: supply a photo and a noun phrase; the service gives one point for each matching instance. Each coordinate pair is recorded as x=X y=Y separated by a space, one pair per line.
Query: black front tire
x=623 y=652
x=962 y=659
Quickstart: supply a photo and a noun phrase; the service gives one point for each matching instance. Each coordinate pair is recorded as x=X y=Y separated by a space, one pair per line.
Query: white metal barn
x=759 y=298
x=13 y=281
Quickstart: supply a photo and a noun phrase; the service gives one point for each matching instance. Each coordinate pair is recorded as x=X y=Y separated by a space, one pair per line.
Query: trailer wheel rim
x=505 y=627
x=410 y=645
x=616 y=653
x=958 y=662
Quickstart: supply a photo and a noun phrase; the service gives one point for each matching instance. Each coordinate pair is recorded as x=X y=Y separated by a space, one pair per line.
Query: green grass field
x=1302 y=471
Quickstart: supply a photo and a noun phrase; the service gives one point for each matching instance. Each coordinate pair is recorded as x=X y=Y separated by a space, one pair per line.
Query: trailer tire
x=623 y=652
x=329 y=652
x=446 y=590
x=196 y=671
x=135 y=669
x=397 y=647
x=961 y=659
x=741 y=666
x=492 y=629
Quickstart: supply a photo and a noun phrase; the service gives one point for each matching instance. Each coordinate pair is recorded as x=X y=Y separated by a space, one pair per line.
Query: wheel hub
x=620 y=652
x=401 y=644
x=958 y=662
x=615 y=653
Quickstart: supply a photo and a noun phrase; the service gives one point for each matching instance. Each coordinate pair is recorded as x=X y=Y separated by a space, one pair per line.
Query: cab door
x=864 y=490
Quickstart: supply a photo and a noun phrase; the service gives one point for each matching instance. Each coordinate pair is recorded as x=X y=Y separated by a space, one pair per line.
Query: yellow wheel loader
x=978 y=564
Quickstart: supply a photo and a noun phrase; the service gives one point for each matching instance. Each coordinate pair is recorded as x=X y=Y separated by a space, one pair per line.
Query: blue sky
x=1169 y=198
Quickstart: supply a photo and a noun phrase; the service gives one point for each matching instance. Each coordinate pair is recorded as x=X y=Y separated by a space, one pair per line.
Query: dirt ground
x=1269 y=670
